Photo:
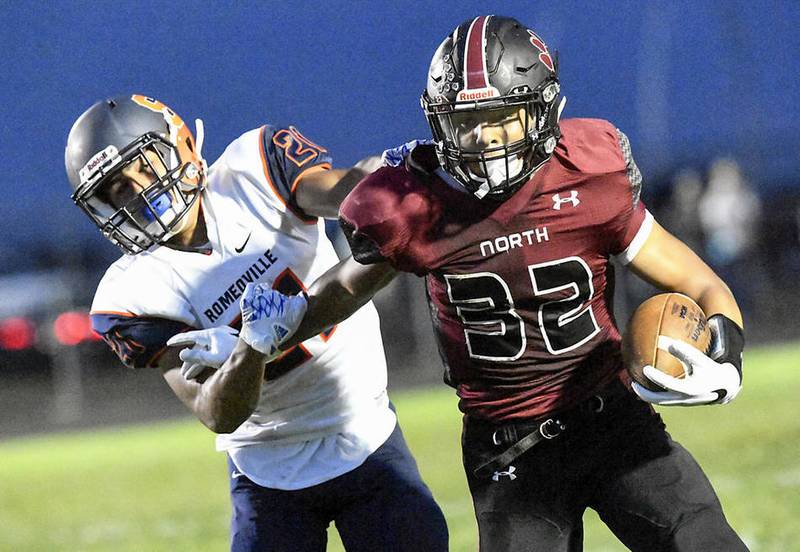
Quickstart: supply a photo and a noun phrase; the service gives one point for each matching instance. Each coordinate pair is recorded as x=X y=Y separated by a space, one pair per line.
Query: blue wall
x=684 y=79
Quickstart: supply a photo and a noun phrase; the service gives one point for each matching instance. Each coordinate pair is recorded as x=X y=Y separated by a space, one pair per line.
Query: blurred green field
x=162 y=487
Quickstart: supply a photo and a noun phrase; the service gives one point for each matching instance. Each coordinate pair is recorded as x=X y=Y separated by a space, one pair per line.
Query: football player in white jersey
x=311 y=436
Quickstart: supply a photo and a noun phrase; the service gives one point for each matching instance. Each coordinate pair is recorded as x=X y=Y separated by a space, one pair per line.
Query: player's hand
x=706 y=382
x=370 y=164
x=269 y=318
x=204 y=348
x=397 y=156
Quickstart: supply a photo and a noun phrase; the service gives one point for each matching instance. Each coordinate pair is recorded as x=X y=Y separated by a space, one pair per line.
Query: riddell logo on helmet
x=99 y=158
x=477 y=94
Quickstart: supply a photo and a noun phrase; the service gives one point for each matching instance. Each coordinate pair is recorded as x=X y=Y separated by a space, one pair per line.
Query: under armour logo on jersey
x=558 y=200
x=509 y=473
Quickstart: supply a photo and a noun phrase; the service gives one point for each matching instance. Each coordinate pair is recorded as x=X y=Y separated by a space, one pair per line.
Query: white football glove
x=269 y=318
x=706 y=382
x=396 y=156
x=204 y=348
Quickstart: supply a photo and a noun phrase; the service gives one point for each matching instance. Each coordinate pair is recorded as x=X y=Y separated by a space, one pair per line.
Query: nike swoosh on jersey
x=247 y=239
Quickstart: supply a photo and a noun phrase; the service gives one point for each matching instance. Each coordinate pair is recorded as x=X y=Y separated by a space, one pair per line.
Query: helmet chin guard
x=487 y=67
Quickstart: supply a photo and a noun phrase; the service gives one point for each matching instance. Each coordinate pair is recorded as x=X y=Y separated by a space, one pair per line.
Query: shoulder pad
x=383 y=212
x=140 y=287
x=379 y=196
x=287 y=154
x=590 y=146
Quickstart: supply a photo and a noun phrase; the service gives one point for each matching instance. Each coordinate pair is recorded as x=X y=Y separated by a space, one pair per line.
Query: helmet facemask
x=530 y=132
x=136 y=214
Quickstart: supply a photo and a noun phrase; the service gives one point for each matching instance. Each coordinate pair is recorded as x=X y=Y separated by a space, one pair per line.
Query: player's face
x=127 y=188
x=481 y=130
x=478 y=131
x=127 y=185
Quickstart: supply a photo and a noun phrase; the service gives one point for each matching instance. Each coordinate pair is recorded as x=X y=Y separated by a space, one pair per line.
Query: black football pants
x=620 y=462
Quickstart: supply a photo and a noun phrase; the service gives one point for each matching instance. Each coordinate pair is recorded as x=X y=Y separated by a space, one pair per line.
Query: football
x=669 y=314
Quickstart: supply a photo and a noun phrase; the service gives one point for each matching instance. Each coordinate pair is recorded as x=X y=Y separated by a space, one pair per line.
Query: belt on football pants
x=527 y=434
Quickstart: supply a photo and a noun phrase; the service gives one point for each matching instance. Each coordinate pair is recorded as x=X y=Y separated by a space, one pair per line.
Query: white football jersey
x=327 y=386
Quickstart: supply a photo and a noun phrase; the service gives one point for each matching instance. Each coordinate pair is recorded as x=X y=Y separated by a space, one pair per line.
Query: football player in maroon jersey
x=513 y=218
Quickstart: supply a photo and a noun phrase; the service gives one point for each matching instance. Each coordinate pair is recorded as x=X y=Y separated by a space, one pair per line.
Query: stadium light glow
x=73 y=327
x=17 y=334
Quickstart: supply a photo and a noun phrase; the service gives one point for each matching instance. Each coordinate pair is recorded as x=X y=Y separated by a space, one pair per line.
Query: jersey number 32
x=494 y=330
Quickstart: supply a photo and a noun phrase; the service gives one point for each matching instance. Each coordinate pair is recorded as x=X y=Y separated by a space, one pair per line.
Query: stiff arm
x=338 y=293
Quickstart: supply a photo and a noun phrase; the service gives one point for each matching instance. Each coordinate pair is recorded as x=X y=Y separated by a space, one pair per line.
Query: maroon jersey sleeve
x=631 y=213
x=596 y=147
x=382 y=216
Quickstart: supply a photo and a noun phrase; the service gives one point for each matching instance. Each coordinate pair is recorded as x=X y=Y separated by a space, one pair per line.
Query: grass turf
x=162 y=487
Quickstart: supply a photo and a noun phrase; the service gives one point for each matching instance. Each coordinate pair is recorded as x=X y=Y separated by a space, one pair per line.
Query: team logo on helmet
x=172 y=118
x=544 y=53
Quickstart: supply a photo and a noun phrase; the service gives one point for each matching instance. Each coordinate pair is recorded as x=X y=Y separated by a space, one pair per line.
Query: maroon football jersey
x=520 y=291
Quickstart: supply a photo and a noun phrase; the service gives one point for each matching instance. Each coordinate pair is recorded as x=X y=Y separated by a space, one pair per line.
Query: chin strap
x=561 y=107
x=200 y=135
x=482 y=190
x=498 y=171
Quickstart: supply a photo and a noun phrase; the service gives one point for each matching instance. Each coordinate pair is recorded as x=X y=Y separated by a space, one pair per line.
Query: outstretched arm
x=224 y=398
x=338 y=293
x=320 y=192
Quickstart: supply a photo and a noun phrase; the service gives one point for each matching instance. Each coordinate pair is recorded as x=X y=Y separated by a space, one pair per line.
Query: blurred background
x=706 y=91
